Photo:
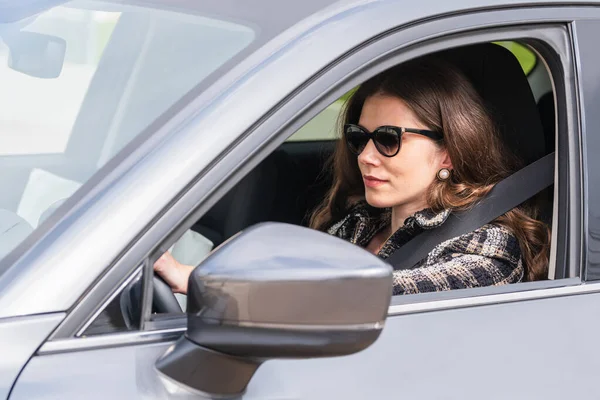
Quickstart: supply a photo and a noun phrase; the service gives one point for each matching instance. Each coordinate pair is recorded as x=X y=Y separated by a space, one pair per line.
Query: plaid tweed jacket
x=487 y=256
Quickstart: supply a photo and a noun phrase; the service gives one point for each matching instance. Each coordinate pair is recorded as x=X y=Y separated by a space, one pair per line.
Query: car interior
x=291 y=181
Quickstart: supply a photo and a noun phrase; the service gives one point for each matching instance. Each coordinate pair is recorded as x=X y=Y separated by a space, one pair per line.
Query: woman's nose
x=369 y=155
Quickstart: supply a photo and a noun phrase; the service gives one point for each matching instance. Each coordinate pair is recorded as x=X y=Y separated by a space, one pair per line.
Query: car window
x=526 y=57
x=290 y=182
x=79 y=82
x=302 y=176
x=122 y=313
x=322 y=127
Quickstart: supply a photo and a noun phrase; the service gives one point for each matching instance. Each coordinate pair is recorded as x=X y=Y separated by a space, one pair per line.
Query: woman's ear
x=445 y=161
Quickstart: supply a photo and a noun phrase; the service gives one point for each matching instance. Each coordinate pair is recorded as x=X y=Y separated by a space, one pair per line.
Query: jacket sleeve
x=488 y=256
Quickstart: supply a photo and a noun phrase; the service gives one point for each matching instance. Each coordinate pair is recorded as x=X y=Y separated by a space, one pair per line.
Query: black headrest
x=498 y=77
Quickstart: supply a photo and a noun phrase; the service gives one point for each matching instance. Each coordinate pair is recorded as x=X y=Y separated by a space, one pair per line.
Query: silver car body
x=537 y=342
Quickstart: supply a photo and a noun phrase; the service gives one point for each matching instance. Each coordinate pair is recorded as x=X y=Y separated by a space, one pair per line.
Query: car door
x=522 y=341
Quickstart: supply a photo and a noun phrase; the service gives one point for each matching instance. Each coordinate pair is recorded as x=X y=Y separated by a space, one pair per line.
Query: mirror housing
x=276 y=291
x=36 y=54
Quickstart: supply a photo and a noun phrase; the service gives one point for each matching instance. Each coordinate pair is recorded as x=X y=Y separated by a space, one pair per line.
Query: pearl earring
x=443 y=174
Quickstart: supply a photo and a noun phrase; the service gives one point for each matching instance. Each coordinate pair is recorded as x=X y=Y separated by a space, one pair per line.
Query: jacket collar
x=364 y=221
x=429 y=219
x=426 y=219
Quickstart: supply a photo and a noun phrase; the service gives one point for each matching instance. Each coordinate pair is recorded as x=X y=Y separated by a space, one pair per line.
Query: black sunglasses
x=387 y=139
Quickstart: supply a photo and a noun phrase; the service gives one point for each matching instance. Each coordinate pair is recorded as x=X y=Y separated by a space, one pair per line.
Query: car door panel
x=19 y=339
x=491 y=352
x=112 y=373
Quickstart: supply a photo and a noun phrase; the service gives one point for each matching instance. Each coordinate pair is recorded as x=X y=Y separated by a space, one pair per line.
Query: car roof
x=270 y=14
x=265 y=13
x=295 y=11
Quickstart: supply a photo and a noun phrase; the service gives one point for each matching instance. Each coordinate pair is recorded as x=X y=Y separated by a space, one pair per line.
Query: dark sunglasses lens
x=356 y=139
x=387 y=141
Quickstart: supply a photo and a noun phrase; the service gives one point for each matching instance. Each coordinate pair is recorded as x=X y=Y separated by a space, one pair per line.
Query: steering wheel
x=164 y=300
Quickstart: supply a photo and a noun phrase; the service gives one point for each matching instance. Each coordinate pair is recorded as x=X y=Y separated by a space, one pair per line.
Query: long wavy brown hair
x=445 y=101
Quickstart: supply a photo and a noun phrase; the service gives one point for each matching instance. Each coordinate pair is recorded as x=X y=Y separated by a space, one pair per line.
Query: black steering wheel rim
x=163 y=299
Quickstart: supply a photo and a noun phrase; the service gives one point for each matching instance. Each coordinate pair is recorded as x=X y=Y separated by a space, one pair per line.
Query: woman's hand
x=173 y=272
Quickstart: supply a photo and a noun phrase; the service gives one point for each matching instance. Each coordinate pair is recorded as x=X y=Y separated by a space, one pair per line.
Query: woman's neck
x=401 y=212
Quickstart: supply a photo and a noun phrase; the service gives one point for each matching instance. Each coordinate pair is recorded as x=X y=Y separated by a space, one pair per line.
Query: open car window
x=288 y=183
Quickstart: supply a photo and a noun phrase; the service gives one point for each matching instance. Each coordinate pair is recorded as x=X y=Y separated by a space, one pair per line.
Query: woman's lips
x=371 y=181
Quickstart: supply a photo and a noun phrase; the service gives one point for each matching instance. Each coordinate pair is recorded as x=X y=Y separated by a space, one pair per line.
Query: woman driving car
x=418 y=144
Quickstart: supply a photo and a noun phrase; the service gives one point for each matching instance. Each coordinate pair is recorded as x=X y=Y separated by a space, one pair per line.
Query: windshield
x=81 y=80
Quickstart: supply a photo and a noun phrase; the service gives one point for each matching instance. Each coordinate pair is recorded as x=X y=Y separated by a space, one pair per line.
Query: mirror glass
x=36 y=54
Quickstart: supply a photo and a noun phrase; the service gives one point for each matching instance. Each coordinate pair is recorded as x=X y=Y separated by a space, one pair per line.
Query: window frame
x=551 y=43
x=368 y=60
x=584 y=34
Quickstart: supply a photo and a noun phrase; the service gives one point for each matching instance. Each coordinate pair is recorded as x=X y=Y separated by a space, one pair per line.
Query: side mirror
x=36 y=54
x=276 y=291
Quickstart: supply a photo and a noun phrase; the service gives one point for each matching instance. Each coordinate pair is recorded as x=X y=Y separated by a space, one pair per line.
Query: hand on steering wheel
x=171 y=276
x=163 y=300
x=174 y=273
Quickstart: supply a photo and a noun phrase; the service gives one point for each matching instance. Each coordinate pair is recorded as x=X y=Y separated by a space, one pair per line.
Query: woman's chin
x=377 y=201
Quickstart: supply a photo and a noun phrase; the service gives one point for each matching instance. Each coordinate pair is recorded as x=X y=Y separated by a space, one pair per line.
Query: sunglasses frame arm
x=430 y=134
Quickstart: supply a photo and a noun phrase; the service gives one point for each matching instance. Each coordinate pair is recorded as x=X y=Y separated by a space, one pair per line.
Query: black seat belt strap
x=506 y=195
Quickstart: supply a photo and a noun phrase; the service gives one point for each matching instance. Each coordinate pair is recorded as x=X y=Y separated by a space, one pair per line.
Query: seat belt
x=506 y=195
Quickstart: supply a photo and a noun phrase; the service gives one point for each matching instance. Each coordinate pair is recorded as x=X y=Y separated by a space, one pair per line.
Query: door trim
x=511 y=297
x=111 y=340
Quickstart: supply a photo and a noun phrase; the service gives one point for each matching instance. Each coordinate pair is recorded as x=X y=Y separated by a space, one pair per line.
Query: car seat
x=249 y=202
x=547 y=114
x=499 y=79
